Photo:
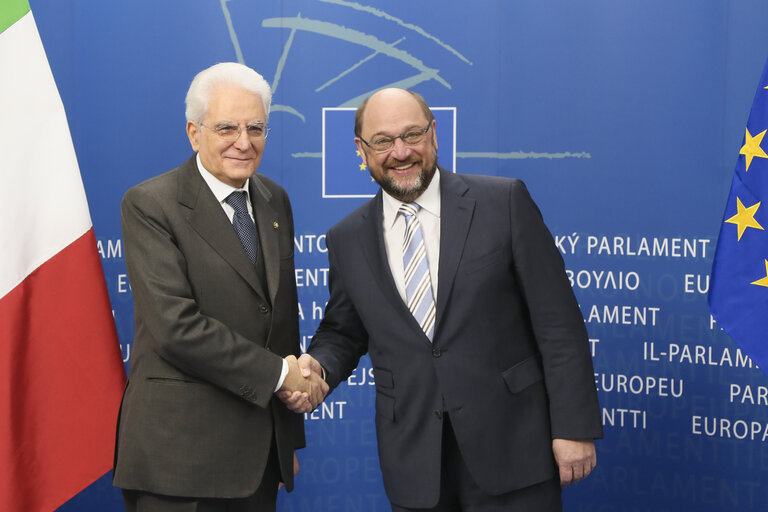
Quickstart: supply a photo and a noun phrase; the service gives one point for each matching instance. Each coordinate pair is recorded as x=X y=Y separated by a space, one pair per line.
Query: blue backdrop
x=624 y=118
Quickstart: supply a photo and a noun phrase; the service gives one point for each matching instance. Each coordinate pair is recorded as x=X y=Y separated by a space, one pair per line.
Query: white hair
x=224 y=74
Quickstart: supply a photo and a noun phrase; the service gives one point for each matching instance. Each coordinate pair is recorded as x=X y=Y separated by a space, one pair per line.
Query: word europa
x=727 y=428
x=626 y=246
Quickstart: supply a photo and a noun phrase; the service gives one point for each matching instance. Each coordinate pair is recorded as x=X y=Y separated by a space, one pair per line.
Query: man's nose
x=400 y=149
x=242 y=141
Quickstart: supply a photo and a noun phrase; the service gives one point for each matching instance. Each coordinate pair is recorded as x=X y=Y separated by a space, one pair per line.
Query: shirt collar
x=220 y=189
x=429 y=200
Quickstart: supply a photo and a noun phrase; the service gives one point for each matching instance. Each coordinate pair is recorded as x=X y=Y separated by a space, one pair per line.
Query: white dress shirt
x=222 y=191
x=394 y=230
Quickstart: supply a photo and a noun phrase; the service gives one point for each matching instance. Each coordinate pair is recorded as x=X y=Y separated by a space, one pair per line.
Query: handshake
x=304 y=387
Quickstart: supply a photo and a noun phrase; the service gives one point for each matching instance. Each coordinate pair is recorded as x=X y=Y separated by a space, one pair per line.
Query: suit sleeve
x=340 y=340
x=168 y=315
x=557 y=322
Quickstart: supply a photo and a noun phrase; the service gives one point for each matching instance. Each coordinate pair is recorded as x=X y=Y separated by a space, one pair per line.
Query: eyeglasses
x=382 y=143
x=231 y=131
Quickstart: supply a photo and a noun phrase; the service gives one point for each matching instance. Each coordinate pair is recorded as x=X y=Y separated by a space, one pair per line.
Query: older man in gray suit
x=209 y=252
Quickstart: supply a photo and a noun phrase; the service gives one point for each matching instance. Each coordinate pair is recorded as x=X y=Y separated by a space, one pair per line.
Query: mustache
x=395 y=162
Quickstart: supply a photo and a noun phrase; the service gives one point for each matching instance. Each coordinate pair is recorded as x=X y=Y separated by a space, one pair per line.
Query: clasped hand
x=303 y=388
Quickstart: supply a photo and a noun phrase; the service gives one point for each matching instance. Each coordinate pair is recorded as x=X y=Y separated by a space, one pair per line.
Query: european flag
x=738 y=294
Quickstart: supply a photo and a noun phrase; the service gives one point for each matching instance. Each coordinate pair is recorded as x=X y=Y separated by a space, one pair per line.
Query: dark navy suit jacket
x=509 y=360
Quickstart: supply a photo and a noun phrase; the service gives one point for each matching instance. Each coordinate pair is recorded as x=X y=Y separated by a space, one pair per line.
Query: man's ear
x=193 y=132
x=361 y=150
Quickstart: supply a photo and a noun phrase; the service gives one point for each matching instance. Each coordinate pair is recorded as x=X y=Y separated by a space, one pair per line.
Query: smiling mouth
x=403 y=167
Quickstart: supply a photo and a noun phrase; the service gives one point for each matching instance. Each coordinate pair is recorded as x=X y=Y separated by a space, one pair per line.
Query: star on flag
x=737 y=293
x=751 y=147
x=763 y=281
x=745 y=218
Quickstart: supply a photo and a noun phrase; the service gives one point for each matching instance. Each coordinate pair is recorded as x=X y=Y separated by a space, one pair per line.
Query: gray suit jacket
x=509 y=360
x=198 y=414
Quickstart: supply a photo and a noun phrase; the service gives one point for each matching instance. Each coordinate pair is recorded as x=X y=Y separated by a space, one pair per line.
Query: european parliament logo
x=345 y=175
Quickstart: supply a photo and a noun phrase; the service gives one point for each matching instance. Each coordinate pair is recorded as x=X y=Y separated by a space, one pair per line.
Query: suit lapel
x=207 y=218
x=268 y=226
x=455 y=218
x=372 y=242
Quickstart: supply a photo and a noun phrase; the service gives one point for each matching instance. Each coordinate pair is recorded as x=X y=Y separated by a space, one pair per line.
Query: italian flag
x=61 y=371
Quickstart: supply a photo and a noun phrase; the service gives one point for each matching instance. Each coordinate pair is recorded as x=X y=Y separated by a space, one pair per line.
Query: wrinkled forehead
x=235 y=104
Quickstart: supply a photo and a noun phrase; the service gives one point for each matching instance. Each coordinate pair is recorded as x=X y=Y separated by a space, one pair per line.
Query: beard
x=406 y=194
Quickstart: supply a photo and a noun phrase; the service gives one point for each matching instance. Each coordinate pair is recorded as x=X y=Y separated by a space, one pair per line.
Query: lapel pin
x=275 y=224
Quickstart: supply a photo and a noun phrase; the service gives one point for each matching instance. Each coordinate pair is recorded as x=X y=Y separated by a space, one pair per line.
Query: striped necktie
x=418 y=285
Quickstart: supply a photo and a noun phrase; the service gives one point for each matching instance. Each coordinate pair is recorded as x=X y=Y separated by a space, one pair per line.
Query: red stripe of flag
x=61 y=379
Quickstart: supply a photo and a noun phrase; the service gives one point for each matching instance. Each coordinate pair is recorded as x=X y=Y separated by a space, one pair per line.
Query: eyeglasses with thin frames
x=231 y=131
x=383 y=143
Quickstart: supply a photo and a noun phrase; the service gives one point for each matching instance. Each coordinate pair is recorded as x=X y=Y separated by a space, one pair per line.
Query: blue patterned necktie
x=243 y=224
x=418 y=285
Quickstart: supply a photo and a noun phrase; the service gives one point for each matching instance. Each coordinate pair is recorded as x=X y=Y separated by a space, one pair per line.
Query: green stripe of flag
x=12 y=11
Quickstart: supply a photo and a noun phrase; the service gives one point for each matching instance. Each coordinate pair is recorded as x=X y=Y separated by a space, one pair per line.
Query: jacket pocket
x=383 y=378
x=492 y=257
x=385 y=403
x=524 y=374
x=385 y=406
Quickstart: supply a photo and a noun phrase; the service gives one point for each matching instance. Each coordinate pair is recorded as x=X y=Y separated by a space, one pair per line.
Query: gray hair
x=224 y=74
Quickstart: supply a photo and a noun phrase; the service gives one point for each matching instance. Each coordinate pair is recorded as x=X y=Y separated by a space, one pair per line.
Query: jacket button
x=264 y=308
x=439 y=414
x=436 y=353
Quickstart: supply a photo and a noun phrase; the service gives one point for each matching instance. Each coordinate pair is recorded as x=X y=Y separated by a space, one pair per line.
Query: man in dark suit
x=485 y=395
x=216 y=317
